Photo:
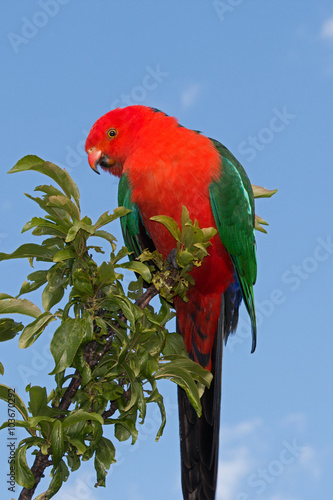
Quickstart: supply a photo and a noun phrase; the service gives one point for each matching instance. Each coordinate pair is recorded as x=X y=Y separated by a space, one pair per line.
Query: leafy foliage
x=111 y=347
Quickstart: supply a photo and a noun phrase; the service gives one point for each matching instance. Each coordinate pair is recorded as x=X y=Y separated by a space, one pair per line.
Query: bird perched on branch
x=163 y=166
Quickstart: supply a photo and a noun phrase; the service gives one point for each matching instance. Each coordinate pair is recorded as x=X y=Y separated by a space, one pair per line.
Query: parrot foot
x=172 y=259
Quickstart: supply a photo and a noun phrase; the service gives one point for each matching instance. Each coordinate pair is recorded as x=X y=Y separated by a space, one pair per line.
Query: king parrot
x=163 y=166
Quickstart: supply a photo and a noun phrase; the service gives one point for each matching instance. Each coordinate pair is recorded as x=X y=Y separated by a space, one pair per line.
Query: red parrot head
x=119 y=133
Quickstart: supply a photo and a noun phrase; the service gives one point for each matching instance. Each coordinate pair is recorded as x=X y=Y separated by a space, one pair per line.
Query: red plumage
x=167 y=167
x=170 y=166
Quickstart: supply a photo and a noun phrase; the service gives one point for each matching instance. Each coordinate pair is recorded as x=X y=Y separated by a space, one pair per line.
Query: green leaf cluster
x=110 y=346
x=191 y=243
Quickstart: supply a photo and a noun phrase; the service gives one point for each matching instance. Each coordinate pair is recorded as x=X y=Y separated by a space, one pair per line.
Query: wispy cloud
x=190 y=95
x=239 y=431
x=327 y=29
x=296 y=420
x=237 y=461
x=258 y=458
x=232 y=472
x=309 y=461
x=133 y=492
x=81 y=488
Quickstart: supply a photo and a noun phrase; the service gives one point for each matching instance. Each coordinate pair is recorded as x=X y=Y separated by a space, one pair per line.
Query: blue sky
x=258 y=76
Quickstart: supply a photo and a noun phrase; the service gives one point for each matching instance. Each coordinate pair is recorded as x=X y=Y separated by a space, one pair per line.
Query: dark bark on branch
x=40 y=464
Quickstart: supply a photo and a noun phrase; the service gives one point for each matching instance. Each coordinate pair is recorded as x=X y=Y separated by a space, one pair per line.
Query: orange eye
x=112 y=133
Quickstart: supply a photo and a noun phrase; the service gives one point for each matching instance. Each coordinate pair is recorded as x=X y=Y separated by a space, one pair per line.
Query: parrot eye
x=112 y=133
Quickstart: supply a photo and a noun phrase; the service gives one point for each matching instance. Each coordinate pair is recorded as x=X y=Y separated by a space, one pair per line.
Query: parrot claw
x=172 y=259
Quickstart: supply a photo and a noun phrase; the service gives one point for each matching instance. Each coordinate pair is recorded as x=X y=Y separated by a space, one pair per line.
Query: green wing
x=233 y=208
x=134 y=232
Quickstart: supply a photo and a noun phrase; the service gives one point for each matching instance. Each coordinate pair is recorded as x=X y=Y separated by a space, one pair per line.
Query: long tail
x=199 y=437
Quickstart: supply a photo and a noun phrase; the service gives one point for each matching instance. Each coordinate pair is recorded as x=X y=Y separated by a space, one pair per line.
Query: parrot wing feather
x=232 y=204
x=134 y=232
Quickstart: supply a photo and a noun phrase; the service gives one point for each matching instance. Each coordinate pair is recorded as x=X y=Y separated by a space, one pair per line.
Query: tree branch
x=92 y=356
x=40 y=464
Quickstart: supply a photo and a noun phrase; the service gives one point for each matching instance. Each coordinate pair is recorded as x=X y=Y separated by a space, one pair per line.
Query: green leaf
x=9 y=395
x=107 y=273
x=80 y=415
x=66 y=204
x=156 y=397
x=38 y=401
x=202 y=248
x=9 y=329
x=258 y=221
x=82 y=283
x=88 y=327
x=170 y=224
x=19 y=423
x=79 y=445
x=65 y=343
x=137 y=267
x=76 y=228
x=106 y=217
x=82 y=366
x=124 y=429
x=49 y=190
x=174 y=344
x=207 y=234
x=106 y=236
x=51 y=296
x=30 y=250
x=57 y=276
x=55 y=215
x=57 y=442
x=59 y=175
x=131 y=311
x=185 y=381
x=41 y=226
x=261 y=221
x=66 y=253
x=104 y=457
x=19 y=306
x=185 y=217
x=23 y=475
x=36 y=421
x=61 y=475
x=123 y=252
x=37 y=279
x=184 y=258
x=183 y=372
x=32 y=331
x=2 y=370
x=261 y=192
x=112 y=390
x=73 y=460
x=96 y=248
